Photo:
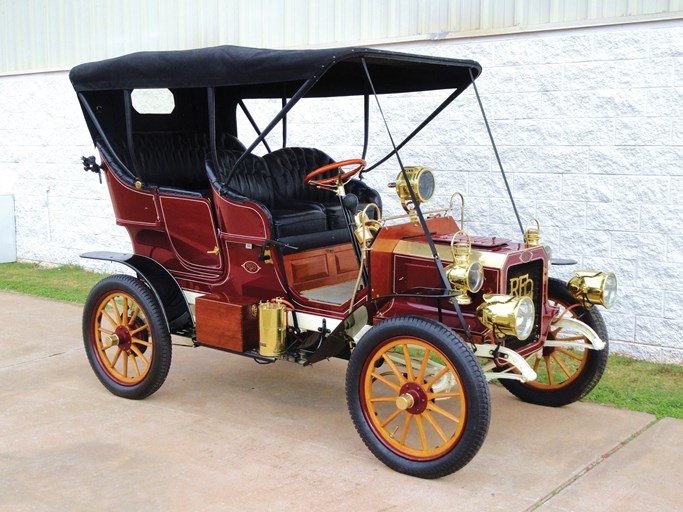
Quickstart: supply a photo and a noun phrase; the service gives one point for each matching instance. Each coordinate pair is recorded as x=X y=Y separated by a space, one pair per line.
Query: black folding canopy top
x=261 y=73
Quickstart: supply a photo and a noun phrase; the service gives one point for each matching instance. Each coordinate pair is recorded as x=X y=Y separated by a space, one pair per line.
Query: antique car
x=290 y=256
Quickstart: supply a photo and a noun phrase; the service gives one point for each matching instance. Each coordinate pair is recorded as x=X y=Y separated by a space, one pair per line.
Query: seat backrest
x=176 y=159
x=289 y=167
x=251 y=178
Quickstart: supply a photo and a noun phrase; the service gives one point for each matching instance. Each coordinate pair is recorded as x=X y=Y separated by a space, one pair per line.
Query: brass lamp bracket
x=462 y=209
x=532 y=236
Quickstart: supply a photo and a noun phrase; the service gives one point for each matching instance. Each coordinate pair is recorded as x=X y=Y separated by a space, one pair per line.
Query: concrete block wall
x=588 y=127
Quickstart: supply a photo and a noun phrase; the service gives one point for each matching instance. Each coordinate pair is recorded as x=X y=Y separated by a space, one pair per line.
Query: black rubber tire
x=591 y=372
x=474 y=388
x=157 y=329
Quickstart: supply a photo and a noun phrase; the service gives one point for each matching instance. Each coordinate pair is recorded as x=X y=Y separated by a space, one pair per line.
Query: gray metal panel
x=8 y=239
x=52 y=34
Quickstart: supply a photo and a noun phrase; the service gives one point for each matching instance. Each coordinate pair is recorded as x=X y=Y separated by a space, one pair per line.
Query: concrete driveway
x=224 y=433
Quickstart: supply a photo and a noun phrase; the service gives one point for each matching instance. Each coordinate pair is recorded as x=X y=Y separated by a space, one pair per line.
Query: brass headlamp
x=465 y=276
x=421 y=181
x=592 y=287
x=507 y=315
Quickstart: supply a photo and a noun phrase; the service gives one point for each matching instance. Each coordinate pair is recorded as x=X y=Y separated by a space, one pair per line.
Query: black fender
x=161 y=282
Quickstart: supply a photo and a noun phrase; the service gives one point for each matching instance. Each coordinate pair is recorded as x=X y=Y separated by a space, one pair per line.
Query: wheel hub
x=412 y=398
x=124 y=338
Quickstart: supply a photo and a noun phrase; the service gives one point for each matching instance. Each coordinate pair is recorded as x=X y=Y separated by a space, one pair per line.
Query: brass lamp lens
x=475 y=277
x=506 y=315
x=425 y=184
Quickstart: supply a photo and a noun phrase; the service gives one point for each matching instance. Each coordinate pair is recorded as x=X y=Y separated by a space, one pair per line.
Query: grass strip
x=67 y=283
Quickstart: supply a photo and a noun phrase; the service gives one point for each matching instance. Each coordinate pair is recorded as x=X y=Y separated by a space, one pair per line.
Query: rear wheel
x=418 y=397
x=126 y=337
x=565 y=375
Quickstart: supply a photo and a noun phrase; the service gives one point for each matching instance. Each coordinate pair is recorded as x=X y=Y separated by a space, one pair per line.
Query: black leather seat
x=289 y=167
x=252 y=180
x=302 y=216
x=172 y=161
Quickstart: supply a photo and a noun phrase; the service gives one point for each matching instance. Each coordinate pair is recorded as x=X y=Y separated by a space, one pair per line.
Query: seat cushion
x=296 y=222
x=335 y=214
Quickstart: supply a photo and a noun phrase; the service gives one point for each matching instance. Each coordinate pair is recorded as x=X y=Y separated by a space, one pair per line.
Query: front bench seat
x=252 y=181
x=289 y=167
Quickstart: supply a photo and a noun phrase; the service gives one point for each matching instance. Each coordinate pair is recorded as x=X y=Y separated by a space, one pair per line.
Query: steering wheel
x=340 y=178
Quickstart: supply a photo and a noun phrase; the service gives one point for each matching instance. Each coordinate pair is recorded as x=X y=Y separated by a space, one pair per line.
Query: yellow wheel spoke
x=383 y=399
x=136 y=312
x=116 y=311
x=423 y=367
x=135 y=365
x=125 y=365
x=549 y=370
x=569 y=353
x=391 y=418
x=421 y=430
x=399 y=375
x=435 y=426
x=435 y=408
x=139 y=354
x=409 y=364
x=113 y=322
x=436 y=377
x=386 y=381
x=141 y=328
x=124 y=312
x=105 y=331
x=561 y=364
x=141 y=342
x=406 y=426
x=537 y=363
x=443 y=395
x=116 y=357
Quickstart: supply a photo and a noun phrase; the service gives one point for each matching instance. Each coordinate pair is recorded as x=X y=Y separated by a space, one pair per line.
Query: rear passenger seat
x=302 y=216
x=173 y=161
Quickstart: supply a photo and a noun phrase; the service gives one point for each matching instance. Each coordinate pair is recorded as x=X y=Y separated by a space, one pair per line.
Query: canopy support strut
x=437 y=260
x=262 y=136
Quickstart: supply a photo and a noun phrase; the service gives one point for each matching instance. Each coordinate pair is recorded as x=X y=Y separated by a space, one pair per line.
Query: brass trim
x=499 y=313
x=111 y=339
x=421 y=250
x=414 y=175
x=272 y=327
x=405 y=401
x=532 y=236
x=588 y=286
x=458 y=272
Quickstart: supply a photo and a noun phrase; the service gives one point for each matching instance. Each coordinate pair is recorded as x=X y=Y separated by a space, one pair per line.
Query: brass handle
x=214 y=251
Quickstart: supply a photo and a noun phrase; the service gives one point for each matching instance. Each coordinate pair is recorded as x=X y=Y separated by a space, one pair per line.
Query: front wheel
x=565 y=375
x=126 y=337
x=418 y=397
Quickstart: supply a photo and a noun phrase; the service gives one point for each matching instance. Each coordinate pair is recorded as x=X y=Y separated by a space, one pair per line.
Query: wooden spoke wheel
x=418 y=397
x=126 y=337
x=565 y=375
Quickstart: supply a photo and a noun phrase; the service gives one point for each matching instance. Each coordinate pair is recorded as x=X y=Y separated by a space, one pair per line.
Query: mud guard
x=161 y=282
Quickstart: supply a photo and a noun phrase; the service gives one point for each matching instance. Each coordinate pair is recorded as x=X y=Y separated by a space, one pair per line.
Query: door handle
x=214 y=251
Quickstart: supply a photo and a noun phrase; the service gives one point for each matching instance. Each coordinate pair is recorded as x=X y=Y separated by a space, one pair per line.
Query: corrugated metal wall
x=56 y=34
